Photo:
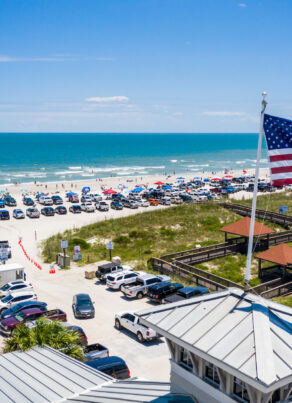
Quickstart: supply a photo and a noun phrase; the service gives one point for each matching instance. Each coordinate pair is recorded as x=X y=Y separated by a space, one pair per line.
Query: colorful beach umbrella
x=159 y=183
x=181 y=177
x=109 y=192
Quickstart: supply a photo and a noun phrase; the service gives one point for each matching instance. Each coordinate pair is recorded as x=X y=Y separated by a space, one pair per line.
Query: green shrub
x=80 y=242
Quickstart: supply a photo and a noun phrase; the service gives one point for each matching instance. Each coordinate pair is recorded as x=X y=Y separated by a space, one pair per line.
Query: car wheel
x=120 y=287
x=139 y=295
x=140 y=337
x=118 y=324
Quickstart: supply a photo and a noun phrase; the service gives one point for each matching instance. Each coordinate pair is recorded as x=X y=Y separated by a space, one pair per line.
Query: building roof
x=246 y=335
x=281 y=254
x=241 y=227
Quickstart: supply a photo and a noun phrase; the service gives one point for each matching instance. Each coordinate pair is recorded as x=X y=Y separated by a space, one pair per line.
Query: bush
x=121 y=239
x=80 y=242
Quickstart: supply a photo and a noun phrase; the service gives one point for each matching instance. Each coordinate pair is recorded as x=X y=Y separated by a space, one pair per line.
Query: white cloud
x=223 y=113
x=116 y=98
x=242 y=5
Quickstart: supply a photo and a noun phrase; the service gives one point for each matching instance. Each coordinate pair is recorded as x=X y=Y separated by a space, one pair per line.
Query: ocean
x=26 y=157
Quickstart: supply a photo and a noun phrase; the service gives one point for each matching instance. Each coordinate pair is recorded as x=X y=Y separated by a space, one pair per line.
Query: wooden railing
x=281 y=290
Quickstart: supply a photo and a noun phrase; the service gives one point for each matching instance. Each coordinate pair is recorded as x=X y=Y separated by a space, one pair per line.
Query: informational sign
x=76 y=249
x=283 y=209
x=110 y=245
x=64 y=244
x=77 y=256
x=4 y=254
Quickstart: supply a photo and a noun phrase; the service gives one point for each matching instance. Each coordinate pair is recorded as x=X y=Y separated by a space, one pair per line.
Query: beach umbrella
x=216 y=179
x=71 y=194
x=244 y=171
x=166 y=187
x=197 y=177
x=109 y=192
x=206 y=180
x=159 y=183
x=85 y=189
x=228 y=176
x=181 y=177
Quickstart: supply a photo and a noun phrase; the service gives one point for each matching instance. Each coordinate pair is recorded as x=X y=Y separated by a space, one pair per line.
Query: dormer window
x=211 y=374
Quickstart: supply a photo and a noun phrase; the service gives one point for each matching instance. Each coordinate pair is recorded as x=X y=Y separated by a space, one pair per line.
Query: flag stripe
x=282 y=157
x=280 y=151
x=280 y=170
x=276 y=164
x=283 y=175
x=282 y=182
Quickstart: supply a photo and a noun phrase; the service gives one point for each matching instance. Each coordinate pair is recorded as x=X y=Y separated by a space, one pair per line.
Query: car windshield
x=7 y=298
x=110 y=278
x=181 y=293
x=19 y=316
x=5 y=287
x=83 y=302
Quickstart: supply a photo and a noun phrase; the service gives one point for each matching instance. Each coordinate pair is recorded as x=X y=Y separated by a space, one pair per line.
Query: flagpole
x=254 y=197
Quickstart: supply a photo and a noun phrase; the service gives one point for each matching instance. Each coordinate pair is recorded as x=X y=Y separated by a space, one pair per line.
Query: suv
x=73 y=199
x=10 y=201
x=116 y=205
x=101 y=206
x=83 y=306
x=14 y=287
x=112 y=366
x=46 y=200
x=186 y=293
x=4 y=215
x=108 y=268
x=158 y=292
x=18 y=213
x=57 y=199
x=27 y=201
x=115 y=281
x=48 y=211
x=32 y=212
x=14 y=298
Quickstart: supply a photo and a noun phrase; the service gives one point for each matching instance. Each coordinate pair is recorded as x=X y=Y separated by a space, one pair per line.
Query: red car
x=9 y=324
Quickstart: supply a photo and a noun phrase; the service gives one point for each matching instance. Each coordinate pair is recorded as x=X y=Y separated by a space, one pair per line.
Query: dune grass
x=284 y=300
x=271 y=201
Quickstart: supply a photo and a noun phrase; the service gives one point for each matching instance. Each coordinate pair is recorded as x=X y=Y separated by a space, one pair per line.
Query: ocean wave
x=68 y=172
x=172 y=160
x=240 y=162
x=74 y=168
x=197 y=165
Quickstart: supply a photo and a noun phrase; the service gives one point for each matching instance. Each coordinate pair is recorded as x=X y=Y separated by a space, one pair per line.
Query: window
x=240 y=391
x=131 y=318
x=185 y=359
x=211 y=374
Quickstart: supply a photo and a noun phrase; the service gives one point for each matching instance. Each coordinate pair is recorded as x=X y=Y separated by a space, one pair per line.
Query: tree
x=45 y=333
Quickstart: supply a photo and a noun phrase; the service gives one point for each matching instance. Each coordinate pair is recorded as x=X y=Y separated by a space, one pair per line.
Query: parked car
x=113 y=366
x=73 y=199
x=116 y=205
x=14 y=298
x=165 y=201
x=108 y=268
x=95 y=197
x=101 y=206
x=14 y=287
x=88 y=207
x=95 y=352
x=83 y=306
x=75 y=209
x=153 y=202
x=9 y=324
x=27 y=201
x=130 y=204
x=18 y=213
x=48 y=211
x=115 y=281
x=10 y=201
x=131 y=322
x=85 y=199
x=61 y=210
x=144 y=203
x=32 y=212
x=140 y=287
x=21 y=306
x=2 y=203
x=4 y=215
x=5 y=245
x=186 y=293
x=158 y=292
x=57 y=199
x=46 y=200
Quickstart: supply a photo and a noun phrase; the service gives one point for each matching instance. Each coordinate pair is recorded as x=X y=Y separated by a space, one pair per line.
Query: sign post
x=283 y=209
x=110 y=247
x=64 y=246
x=3 y=255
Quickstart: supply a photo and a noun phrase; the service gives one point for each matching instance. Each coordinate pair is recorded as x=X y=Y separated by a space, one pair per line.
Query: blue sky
x=143 y=65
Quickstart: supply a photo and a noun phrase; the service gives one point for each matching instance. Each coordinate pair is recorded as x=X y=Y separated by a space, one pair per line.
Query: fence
x=281 y=290
x=212 y=253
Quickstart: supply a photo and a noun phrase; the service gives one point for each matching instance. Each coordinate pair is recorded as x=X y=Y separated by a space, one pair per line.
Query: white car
x=17 y=213
x=15 y=287
x=142 y=203
x=115 y=281
x=15 y=298
x=88 y=207
x=46 y=201
x=131 y=322
x=96 y=197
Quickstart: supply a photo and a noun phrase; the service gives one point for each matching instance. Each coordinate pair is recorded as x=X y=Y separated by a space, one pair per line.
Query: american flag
x=278 y=132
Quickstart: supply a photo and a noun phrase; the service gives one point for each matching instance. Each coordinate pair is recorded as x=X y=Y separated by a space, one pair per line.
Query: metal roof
x=43 y=374
x=246 y=335
x=130 y=391
x=281 y=254
x=241 y=227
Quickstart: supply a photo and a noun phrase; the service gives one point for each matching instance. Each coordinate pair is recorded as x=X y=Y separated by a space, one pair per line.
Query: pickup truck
x=9 y=324
x=131 y=322
x=140 y=287
x=95 y=351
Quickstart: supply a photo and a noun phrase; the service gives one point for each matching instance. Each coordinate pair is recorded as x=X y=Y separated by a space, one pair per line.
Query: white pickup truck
x=131 y=322
x=140 y=287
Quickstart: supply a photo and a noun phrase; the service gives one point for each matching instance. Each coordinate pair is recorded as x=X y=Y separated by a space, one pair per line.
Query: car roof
x=190 y=289
x=109 y=360
x=81 y=296
x=24 y=303
x=31 y=311
x=147 y=276
x=160 y=285
x=22 y=293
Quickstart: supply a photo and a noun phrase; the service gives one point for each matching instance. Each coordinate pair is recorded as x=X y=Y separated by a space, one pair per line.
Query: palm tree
x=45 y=333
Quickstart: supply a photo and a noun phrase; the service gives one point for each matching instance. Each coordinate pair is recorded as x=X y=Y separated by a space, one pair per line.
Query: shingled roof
x=244 y=334
x=281 y=254
x=241 y=227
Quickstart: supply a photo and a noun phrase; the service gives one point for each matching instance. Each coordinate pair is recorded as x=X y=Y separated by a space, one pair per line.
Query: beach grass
x=284 y=300
x=271 y=201
x=152 y=234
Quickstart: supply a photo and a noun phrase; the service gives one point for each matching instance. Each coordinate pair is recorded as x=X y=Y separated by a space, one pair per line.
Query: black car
x=113 y=366
x=4 y=215
x=186 y=293
x=82 y=306
x=48 y=211
x=105 y=269
x=75 y=209
x=186 y=198
x=116 y=205
x=28 y=201
x=10 y=201
x=23 y=305
x=158 y=292
x=61 y=210
x=57 y=199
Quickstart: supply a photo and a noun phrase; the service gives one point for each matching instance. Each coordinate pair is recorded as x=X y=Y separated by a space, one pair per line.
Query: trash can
x=63 y=262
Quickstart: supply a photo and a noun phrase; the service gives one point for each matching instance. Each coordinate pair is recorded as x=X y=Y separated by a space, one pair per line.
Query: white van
x=11 y=272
